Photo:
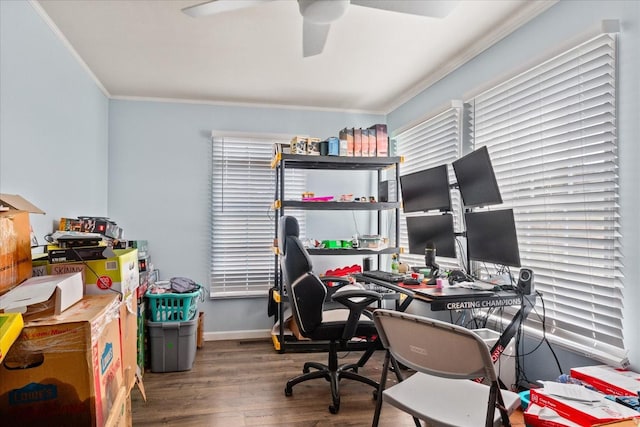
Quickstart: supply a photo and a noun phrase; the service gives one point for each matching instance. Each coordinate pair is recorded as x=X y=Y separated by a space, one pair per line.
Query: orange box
x=65 y=369
x=15 y=240
x=357 y=142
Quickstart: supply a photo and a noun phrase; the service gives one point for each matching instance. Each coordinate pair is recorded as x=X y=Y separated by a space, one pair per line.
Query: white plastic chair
x=447 y=359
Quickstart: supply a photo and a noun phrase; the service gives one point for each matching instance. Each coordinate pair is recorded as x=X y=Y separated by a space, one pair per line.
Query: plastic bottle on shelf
x=394 y=264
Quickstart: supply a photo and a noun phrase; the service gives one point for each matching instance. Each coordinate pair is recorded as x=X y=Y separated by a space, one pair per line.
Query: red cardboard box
x=600 y=410
x=609 y=380
x=65 y=369
x=538 y=416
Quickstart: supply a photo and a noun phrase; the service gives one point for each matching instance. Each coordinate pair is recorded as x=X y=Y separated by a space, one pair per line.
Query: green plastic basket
x=172 y=307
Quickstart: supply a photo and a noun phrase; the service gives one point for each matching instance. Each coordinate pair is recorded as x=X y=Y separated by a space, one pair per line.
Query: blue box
x=334 y=146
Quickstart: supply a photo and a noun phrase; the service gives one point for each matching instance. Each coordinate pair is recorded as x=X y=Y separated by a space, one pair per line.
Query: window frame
x=253 y=198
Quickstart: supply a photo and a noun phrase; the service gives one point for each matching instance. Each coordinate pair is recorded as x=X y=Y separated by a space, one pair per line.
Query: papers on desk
x=571 y=391
x=481 y=286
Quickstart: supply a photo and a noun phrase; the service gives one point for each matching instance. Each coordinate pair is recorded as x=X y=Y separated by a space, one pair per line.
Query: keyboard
x=384 y=276
x=478 y=285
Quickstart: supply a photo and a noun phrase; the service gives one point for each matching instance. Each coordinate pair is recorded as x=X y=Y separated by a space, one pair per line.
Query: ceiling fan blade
x=314 y=36
x=219 y=6
x=433 y=8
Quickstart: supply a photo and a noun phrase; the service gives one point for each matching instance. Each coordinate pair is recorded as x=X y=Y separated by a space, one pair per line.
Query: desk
x=466 y=300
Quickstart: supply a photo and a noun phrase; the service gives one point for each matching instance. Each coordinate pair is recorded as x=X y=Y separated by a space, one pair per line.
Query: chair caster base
x=288 y=391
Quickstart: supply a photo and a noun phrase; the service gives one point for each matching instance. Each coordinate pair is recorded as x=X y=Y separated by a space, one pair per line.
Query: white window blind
x=434 y=142
x=551 y=134
x=243 y=222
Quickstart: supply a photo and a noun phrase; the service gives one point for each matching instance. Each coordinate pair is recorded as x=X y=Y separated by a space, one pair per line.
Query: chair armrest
x=356 y=300
x=339 y=283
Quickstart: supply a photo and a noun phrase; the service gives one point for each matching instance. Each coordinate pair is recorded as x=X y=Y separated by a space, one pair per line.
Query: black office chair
x=307 y=296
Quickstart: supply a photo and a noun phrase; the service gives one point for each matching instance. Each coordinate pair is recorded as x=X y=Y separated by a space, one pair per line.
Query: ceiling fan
x=319 y=14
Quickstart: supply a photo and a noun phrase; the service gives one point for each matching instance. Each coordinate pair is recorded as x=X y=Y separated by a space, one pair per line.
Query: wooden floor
x=241 y=383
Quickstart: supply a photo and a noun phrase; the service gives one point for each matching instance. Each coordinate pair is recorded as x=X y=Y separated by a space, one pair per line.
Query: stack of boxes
x=599 y=403
x=351 y=142
x=74 y=361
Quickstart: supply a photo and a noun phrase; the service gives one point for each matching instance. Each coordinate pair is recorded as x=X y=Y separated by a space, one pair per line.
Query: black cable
x=544 y=339
x=93 y=271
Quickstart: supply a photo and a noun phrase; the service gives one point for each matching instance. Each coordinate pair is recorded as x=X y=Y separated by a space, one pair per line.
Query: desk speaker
x=525 y=282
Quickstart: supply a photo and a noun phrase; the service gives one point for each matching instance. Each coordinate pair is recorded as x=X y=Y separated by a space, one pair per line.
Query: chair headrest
x=288 y=226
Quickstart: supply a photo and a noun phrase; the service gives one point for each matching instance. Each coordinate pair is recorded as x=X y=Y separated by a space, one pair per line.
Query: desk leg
x=528 y=301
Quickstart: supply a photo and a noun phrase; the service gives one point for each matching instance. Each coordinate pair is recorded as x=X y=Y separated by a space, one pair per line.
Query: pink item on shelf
x=317 y=199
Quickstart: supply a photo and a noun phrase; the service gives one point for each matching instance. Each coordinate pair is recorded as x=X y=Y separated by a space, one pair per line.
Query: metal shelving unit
x=284 y=161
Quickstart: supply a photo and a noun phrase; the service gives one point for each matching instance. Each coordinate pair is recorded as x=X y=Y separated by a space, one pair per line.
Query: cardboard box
x=88 y=224
x=382 y=140
x=599 y=410
x=129 y=340
x=346 y=134
x=84 y=253
x=364 y=145
x=143 y=264
x=538 y=416
x=15 y=240
x=119 y=273
x=299 y=145
x=44 y=295
x=373 y=143
x=357 y=142
x=120 y=415
x=631 y=422
x=141 y=245
x=10 y=327
x=609 y=380
x=65 y=369
x=313 y=146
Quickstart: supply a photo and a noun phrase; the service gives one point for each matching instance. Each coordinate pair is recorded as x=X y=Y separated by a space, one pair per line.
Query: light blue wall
x=159 y=184
x=53 y=122
x=567 y=20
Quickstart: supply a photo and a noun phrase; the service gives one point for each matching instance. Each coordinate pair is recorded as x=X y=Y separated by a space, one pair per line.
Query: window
x=551 y=133
x=434 y=142
x=242 y=227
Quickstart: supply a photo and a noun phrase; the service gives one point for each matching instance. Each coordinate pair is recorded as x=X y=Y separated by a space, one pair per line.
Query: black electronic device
x=476 y=179
x=411 y=282
x=457 y=276
x=491 y=237
x=387 y=191
x=426 y=190
x=525 y=281
x=437 y=229
x=430 y=256
x=385 y=276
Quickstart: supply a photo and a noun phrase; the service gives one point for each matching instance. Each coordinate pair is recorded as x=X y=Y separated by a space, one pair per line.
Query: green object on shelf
x=331 y=244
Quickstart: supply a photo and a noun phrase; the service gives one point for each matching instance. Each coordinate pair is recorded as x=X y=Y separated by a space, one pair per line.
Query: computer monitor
x=491 y=237
x=436 y=229
x=476 y=179
x=426 y=190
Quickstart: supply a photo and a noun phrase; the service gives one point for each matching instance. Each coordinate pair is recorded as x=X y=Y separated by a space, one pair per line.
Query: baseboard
x=237 y=335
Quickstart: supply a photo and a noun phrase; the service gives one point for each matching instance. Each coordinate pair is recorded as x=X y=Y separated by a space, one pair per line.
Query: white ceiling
x=373 y=61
